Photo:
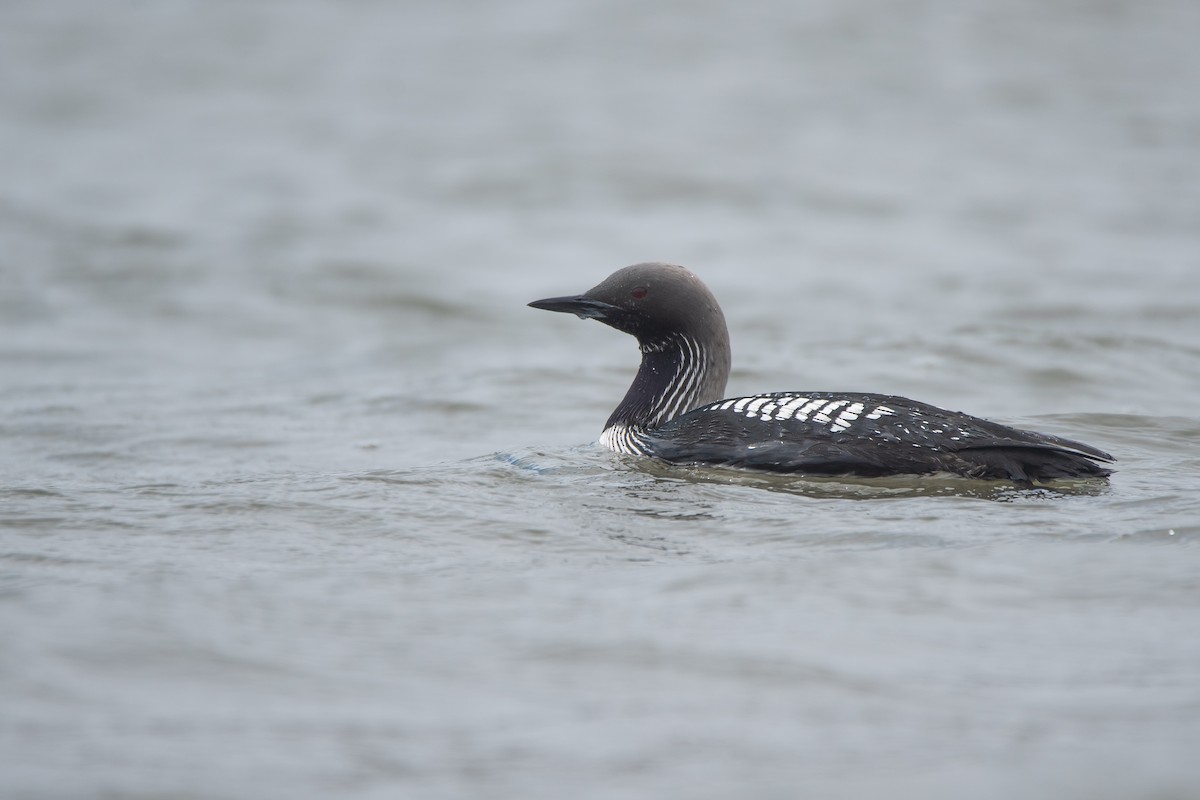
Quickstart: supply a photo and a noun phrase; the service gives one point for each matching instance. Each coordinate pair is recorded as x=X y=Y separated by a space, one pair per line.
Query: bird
x=675 y=410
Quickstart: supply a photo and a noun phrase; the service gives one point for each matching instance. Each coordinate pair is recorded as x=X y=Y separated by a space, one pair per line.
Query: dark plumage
x=673 y=409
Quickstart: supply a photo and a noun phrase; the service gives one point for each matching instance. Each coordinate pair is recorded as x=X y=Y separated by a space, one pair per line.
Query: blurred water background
x=298 y=498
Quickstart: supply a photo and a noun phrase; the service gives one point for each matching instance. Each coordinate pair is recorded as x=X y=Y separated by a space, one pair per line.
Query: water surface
x=298 y=499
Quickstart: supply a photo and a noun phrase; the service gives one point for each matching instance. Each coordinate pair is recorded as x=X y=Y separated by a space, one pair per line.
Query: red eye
x=639 y=292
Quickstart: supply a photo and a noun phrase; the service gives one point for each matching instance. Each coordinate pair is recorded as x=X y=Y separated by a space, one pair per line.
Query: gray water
x=300 y=500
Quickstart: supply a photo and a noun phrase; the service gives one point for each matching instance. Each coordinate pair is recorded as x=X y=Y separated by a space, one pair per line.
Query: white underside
x=623 y=439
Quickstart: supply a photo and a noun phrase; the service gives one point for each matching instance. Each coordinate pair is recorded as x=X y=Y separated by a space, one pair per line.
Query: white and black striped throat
x=680 y=393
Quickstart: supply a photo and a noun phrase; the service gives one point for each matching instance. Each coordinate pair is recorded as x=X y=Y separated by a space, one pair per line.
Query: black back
x=822 y=433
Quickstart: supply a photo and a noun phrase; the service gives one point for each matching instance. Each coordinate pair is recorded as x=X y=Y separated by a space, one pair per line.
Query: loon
x=675 y=410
